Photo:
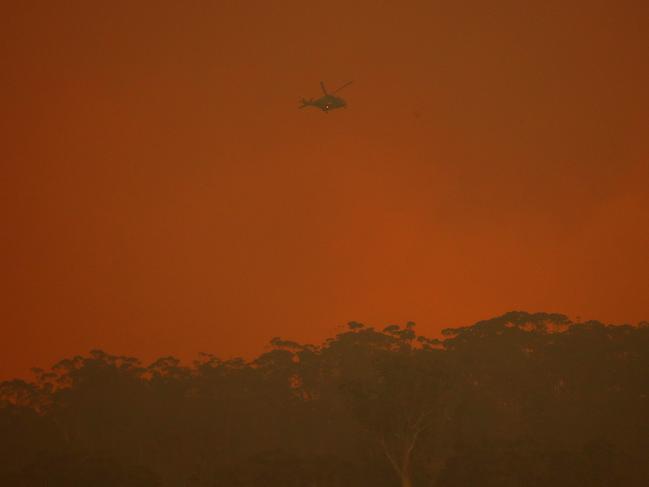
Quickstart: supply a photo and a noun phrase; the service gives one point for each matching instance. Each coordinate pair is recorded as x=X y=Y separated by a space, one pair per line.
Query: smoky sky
x=162 y=194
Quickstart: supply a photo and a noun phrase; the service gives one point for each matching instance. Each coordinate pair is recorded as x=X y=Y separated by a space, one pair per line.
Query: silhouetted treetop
x=520 y=399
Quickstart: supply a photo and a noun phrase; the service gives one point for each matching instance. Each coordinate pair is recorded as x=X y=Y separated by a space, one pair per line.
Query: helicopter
x=326 y=102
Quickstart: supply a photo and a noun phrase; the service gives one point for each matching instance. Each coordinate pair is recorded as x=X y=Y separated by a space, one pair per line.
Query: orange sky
x=162 y=194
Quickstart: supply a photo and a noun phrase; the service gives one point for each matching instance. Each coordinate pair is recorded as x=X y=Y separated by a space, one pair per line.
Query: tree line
x=523 y=399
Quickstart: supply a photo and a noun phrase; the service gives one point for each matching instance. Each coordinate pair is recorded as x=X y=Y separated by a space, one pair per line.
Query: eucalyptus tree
x=398 y=391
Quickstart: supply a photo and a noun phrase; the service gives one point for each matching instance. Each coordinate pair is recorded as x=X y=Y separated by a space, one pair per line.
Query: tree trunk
x=402 y=468
x=405 y=480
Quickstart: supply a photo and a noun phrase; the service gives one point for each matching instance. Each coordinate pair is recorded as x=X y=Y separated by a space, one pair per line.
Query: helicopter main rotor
x=324 y=90
x=343 y=86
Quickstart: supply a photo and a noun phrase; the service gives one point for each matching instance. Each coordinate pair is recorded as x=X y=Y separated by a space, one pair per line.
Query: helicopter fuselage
x=326 y=102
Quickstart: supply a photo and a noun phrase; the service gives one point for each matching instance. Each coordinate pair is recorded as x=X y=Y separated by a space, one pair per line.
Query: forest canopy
x=529 y=399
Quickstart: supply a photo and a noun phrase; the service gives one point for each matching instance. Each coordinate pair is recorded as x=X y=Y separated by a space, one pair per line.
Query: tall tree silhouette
x=520 y=399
